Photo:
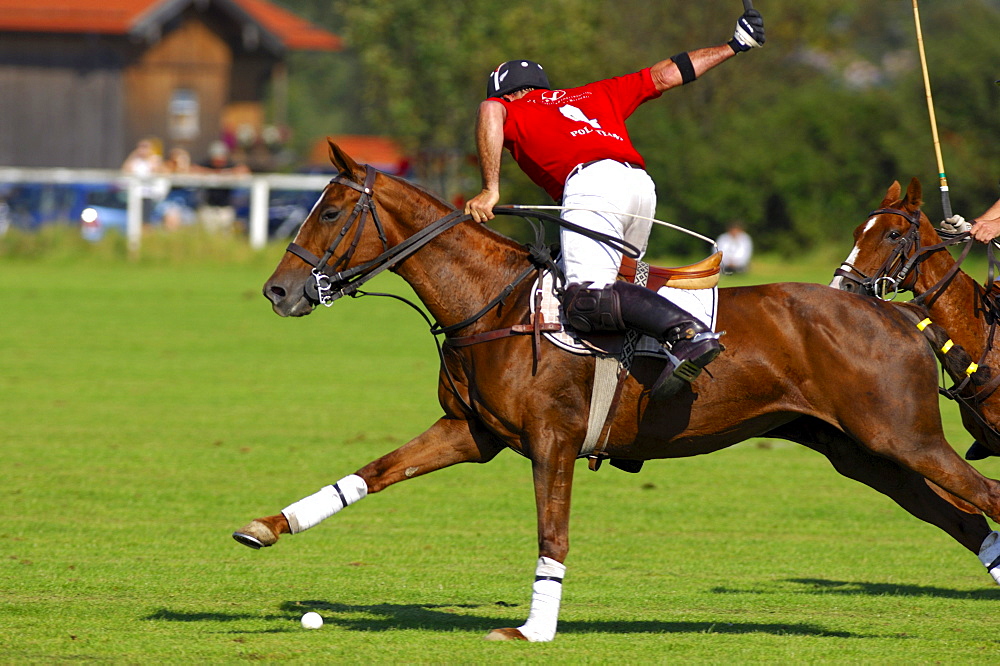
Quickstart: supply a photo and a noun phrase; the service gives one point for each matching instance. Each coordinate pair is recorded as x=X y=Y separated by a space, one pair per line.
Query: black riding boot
x=622 y=305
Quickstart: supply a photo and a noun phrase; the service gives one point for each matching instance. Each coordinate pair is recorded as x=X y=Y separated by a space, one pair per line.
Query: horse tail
x=954 y=359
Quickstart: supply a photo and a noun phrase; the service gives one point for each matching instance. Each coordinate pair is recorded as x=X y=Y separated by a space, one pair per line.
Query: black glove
x=749 y=32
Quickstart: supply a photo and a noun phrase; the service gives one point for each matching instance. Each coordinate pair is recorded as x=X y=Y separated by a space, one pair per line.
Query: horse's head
x=341 y=232
x=884 y=259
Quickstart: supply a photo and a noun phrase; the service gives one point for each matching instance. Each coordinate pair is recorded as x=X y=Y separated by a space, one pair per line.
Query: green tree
x=799 y=140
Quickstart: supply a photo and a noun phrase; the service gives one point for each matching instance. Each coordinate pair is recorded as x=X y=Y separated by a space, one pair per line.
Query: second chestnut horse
x=898 y=249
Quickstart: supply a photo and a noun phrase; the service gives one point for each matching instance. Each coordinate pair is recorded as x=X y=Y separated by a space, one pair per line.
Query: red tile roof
x=379 y=151
x=121 y=17
x=294 y=32
x=108 y=16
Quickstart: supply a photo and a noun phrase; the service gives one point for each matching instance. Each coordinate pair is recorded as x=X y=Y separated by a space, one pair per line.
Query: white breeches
x=606 y=186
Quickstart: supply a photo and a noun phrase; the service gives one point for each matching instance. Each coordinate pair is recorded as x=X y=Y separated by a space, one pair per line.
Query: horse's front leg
x=447 y=442
x=553 y=480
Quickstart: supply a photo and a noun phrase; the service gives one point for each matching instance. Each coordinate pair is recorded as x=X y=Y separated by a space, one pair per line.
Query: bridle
x=329 y=283
x=321 y=290
x=901 y=269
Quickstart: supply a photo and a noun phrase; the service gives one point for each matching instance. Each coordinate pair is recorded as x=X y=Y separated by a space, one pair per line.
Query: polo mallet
x=943 y=178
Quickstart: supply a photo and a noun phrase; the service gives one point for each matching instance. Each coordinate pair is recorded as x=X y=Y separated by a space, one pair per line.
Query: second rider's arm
x=986 y=227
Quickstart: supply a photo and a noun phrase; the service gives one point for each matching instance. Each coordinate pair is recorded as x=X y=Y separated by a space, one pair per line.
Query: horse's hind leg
x=959 y=519
x=447 y=442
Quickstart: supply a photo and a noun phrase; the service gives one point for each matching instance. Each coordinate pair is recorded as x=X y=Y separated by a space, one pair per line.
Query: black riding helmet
x=514 y=75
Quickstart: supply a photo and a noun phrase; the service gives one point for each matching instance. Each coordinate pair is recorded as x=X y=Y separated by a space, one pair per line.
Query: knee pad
x=591 y=310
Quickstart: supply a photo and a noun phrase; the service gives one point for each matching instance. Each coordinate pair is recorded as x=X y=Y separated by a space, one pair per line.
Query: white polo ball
x=312 y=620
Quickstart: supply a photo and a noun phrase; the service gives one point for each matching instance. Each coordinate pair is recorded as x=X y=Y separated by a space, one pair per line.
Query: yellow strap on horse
x=972 y=368
x=924 y=324
x=947 y=347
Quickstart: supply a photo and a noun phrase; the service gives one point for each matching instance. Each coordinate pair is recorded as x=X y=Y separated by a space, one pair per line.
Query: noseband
x=887 y=280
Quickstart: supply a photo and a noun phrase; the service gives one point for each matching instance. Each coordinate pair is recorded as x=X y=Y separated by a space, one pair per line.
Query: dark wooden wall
x=61 y=102
x=85 y=100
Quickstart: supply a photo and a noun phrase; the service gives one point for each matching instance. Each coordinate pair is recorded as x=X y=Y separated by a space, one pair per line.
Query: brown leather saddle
x=703 y=274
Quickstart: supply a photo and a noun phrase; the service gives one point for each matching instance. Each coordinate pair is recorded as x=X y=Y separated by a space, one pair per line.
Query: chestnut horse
x=898 y=249
x=804 y=362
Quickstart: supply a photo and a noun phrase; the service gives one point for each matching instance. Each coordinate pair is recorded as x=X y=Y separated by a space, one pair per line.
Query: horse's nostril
x=274 y=293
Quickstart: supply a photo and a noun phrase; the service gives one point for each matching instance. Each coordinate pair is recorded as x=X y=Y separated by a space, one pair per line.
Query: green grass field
x=148 y=409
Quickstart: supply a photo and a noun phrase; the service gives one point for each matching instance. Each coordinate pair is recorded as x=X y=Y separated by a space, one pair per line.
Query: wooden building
x=81 y=81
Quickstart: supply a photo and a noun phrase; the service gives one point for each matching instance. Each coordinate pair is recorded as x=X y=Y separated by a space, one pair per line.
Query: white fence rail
x=259 y=185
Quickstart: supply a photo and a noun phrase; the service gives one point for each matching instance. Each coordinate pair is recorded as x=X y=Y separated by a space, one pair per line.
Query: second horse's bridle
x=901 y=268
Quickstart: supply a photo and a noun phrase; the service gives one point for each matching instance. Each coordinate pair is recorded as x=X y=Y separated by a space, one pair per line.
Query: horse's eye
x=330 y=215
x=894 y=235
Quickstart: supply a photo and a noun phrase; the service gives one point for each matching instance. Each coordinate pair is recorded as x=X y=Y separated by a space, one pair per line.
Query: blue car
x=32 y=205
x=102 y=207
x=104 y=211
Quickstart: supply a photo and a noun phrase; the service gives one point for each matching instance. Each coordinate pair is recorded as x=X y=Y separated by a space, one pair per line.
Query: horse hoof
x=507 y=634
x=255 y=535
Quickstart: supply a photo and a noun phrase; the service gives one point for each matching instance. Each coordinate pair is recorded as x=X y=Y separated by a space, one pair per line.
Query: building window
x=183 y=113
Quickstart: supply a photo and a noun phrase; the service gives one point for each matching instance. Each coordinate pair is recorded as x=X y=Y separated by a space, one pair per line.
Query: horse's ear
x=341 y=160
x=891 y=195
x=914 y=195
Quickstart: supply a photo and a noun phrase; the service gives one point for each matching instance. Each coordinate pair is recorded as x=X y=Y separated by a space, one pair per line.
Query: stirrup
x=673 y=379
x=687 y=371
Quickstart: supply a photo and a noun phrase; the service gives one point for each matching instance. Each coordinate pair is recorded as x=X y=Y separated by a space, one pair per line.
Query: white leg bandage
x=546 y=594
x=316 y=508
x=989 y=555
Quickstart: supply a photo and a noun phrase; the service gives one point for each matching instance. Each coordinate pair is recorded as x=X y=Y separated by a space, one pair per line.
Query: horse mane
x=423 y=190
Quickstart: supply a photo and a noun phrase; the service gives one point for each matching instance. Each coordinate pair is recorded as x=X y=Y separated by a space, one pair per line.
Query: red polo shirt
x=549 y=132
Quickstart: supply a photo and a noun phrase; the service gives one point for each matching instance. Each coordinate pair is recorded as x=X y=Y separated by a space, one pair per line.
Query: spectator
x=737 y=248
x=216 y=212
x=178 y=208
x=145 y=161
